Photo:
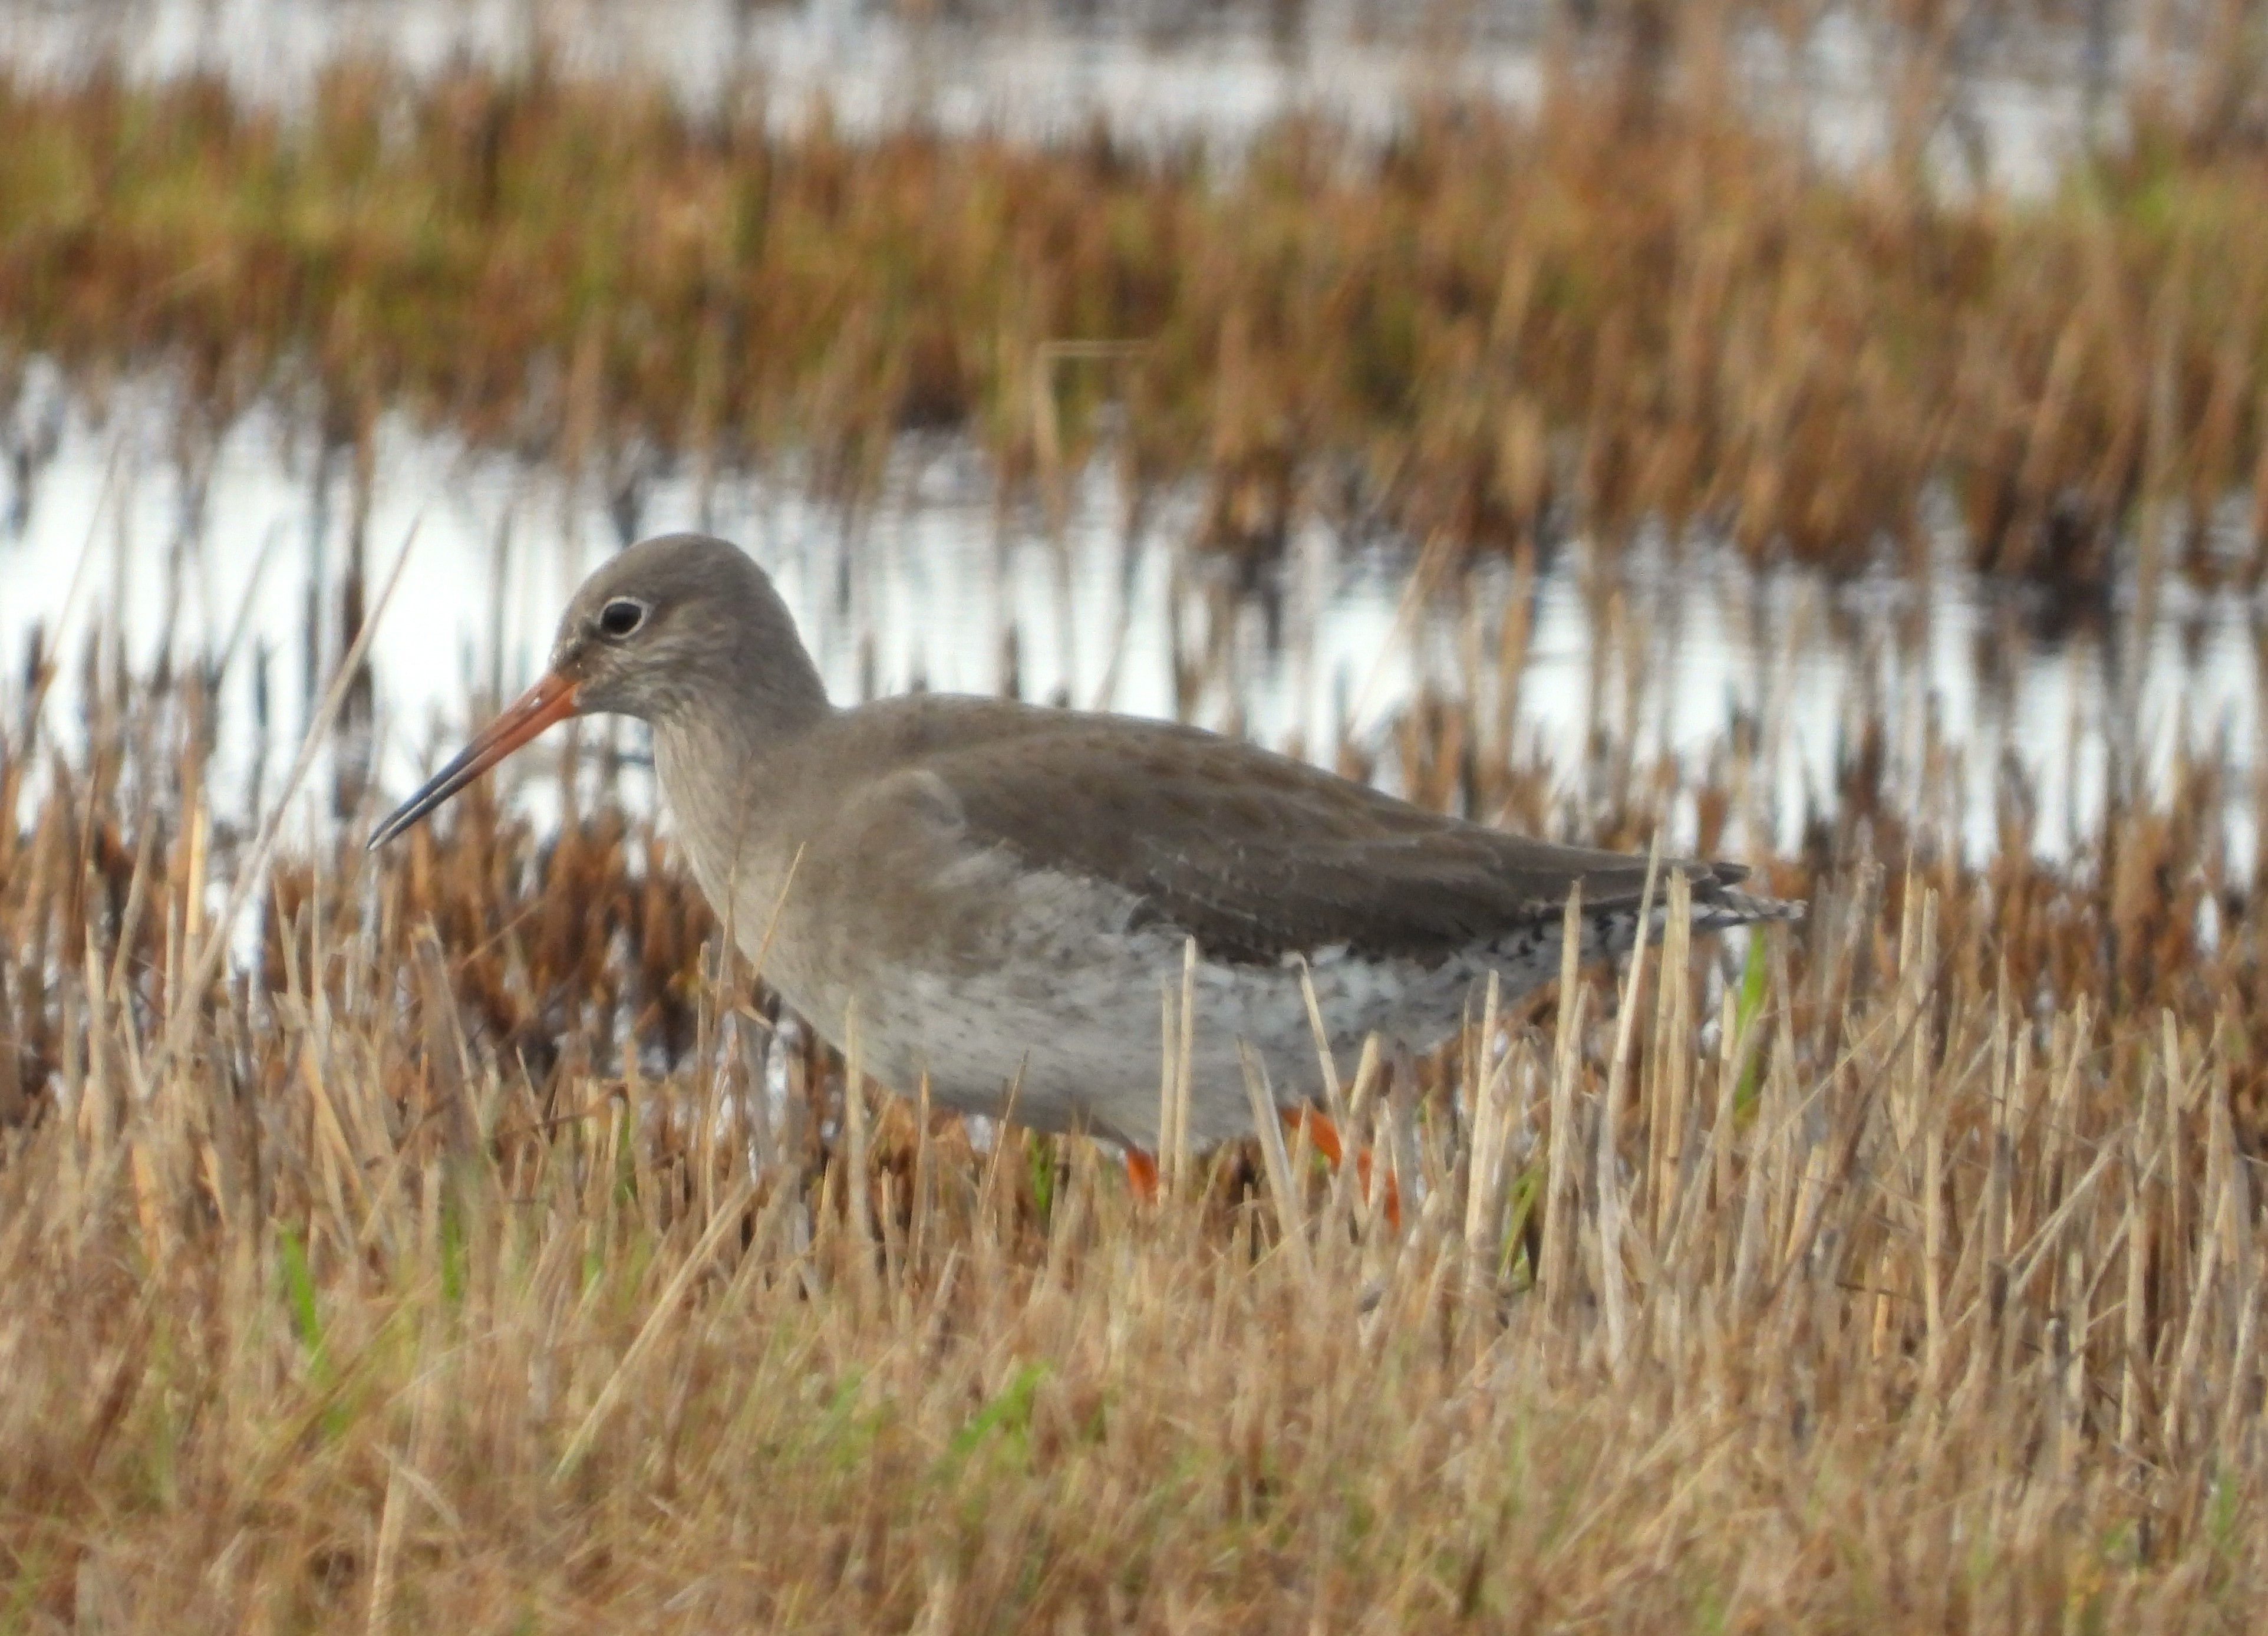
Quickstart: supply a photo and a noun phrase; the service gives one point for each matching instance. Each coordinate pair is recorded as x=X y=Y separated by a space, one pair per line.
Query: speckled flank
x=1070 y=1016
x=1002 y=894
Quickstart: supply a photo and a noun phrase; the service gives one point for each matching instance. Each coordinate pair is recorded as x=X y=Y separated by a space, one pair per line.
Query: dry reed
x=1494 y=325
x=481 y=1259
x=482 y=1252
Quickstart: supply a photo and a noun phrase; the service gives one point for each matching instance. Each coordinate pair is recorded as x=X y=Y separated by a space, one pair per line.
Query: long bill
x=548 y=701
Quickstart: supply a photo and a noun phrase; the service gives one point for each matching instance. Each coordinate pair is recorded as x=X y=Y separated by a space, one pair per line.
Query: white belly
x=1063 y=1011
x=1082 y=1044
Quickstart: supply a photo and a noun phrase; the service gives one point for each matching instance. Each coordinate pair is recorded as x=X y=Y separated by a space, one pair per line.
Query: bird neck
x=713 y=748
x=742 y=720
x=772 y=705
x=764 y=692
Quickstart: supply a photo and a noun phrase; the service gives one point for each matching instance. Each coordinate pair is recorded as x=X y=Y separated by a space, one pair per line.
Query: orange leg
x=1142 y=1175
x=1324 y=1136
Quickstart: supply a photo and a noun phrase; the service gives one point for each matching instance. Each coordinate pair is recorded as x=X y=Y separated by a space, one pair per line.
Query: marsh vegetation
x=459 y=1237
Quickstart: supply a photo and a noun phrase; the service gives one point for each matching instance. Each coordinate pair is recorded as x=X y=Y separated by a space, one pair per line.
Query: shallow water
x=2021 y=103
x=111 y=530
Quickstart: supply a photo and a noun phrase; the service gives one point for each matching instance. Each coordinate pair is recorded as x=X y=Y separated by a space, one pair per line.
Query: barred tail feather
x=1731 y=908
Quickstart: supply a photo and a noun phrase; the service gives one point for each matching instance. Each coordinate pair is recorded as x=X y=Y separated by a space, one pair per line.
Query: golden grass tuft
x=449 y=1268
x=1495 y=324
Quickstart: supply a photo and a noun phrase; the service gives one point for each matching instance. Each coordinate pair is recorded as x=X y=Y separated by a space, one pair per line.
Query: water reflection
x=2018 y=102
x=234 y=550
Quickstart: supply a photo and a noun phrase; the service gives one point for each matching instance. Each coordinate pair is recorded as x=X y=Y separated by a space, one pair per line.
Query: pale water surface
x=112 y=531
x=2018 y=104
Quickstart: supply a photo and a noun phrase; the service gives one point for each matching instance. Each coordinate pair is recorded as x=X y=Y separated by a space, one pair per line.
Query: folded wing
x=1259 y=857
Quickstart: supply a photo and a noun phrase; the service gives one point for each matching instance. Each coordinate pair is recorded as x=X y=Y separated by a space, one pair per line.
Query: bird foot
x=1323 y=1135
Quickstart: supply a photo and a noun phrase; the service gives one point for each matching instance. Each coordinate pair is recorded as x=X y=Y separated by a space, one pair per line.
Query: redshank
x=1000 y=893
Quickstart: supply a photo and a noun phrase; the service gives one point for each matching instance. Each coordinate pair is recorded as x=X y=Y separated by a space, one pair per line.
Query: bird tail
x=1726 y=907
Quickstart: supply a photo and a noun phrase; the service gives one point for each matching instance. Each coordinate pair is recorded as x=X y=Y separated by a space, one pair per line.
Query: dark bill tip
x=548 y=701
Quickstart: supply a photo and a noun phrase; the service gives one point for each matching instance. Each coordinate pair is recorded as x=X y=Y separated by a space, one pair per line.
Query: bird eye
x=618 y=618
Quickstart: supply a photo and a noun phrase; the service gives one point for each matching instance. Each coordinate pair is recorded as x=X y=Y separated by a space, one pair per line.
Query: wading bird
x=1000 y=893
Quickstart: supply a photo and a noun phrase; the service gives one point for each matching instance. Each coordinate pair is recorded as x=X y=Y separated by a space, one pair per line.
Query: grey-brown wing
x=1259 y=857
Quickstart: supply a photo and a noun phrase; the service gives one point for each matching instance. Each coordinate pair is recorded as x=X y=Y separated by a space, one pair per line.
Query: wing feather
x=1259 y=857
